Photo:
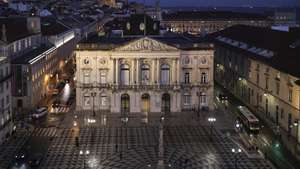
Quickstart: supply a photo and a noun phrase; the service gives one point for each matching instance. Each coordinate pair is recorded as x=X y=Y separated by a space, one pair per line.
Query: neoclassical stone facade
x=144 y=74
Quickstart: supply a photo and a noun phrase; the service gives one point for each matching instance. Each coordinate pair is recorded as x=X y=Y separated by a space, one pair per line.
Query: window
x=7 y=99
x=15 y=47
x=2 y=103
x=290 y=95
x=257 y=78
x=103 y=76
x=165 y=74
x=104 y=100
x=282 y=114
x=203 y=77
x=187 y=77
x=202 y=98
x=187 y=99
x=125 y=74
x=145 y=74
x=277 y=88
x=86 y=76
x=6 y=71
x=267 y=83
x=186 y=60
x=86 y=100
x=1 y=87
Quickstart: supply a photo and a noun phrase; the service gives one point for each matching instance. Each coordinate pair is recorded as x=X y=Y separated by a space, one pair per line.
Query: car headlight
x=22 y=156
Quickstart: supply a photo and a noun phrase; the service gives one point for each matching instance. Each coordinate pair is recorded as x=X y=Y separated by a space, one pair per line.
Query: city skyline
x=225 y=3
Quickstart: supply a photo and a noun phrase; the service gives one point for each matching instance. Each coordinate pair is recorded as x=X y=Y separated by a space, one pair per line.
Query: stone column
x=178 y=71
x=173 y=71
x=157 y=71
x=114 y=70
x=117 y=71
x=137 y=71
x=132 y=72
x=153 y=67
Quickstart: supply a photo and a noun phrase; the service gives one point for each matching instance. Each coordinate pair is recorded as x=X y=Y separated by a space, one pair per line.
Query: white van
x=40 y=112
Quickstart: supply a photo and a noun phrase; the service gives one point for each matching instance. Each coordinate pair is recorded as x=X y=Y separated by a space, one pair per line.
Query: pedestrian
x=116 y=147
x=121 y=155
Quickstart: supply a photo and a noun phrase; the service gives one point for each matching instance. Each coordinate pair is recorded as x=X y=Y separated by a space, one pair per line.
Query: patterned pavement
x=190 y=147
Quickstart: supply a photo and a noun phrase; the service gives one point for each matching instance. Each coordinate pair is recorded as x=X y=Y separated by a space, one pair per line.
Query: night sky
x=224 y=3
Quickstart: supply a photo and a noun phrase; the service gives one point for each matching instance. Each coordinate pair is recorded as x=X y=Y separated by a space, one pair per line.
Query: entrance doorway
x=166 y=103
x=146 y=103
x=125 y=103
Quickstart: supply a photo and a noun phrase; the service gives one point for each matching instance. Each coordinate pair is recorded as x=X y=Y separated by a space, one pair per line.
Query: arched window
x=145 y=74
x=165 y=74
x=203 y=77
x=125 y=74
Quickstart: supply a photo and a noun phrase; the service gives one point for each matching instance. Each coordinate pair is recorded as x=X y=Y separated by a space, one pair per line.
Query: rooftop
x=51 y=26
x=33 y=54
x=15 y=28
x=95 y=42
x=212 y=15
x=276 y=48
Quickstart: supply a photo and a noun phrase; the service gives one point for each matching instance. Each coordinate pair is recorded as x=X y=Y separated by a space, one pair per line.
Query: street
x=268 y=142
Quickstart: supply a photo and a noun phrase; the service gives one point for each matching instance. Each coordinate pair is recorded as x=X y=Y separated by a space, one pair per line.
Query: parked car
x=40 y=112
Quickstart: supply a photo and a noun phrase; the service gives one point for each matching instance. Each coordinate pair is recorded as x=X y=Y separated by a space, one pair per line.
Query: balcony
x=111 y=86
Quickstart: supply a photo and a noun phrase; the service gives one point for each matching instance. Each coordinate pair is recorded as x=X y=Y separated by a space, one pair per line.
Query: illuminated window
x=145 y=74
x=125 y=74
x=165 y=74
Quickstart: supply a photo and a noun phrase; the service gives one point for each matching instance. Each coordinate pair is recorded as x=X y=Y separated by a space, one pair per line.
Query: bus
x=249 y=121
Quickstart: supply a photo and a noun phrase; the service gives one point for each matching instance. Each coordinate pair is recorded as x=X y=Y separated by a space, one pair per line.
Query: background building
x=203 y=22
x=6 y=123
x=261 y=67
x=144 y=74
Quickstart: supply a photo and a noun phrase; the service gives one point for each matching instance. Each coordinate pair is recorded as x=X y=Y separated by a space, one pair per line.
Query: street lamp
x=235 y=152
x=211 y=120
x=86 y=153
x=93 y=94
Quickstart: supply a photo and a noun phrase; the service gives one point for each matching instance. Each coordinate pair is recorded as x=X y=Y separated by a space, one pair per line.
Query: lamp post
x=86 y=153
x=236 y=152
x=93 y=94
x=211 y=120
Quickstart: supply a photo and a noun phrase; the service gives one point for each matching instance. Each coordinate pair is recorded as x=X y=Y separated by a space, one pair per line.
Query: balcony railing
x=142 y=86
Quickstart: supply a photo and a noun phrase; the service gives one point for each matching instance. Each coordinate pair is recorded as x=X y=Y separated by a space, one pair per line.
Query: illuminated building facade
x=144 y=74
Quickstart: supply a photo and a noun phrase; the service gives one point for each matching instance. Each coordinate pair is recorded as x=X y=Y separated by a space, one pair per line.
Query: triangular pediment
x=146 y=44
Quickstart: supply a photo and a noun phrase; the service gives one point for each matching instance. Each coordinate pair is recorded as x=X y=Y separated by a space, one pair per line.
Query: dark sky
x=193 y=3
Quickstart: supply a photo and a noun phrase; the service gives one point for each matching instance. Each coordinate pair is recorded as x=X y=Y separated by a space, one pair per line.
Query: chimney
x=3 y=38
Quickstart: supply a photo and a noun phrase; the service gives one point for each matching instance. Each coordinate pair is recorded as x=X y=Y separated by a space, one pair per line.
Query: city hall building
x=144 y=74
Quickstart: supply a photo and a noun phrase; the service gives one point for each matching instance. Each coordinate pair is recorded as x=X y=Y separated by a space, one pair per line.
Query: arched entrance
x=166 y=103
x=146 y=103
x=125 y=103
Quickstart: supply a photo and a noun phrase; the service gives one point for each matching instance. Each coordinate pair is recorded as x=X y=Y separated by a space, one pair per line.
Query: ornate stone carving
x=146 y=44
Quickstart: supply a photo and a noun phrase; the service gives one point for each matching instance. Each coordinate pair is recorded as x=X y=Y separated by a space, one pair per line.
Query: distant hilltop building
x=204 y=22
